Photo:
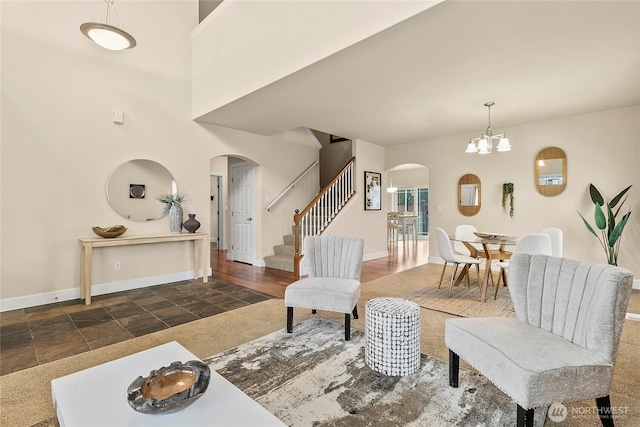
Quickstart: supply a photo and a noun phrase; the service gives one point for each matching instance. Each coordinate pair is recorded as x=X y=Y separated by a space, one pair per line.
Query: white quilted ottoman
x=392 y=336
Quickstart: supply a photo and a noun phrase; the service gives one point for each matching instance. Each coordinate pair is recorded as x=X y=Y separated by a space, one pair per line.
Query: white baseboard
x=375 y=255
x=636 y=284
x=16 y=303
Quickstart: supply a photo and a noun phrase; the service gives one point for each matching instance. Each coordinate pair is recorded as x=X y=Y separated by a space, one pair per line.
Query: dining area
x=401 y=226
x=468 y=248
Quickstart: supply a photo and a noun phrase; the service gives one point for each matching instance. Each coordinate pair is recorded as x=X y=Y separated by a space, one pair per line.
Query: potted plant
x=610 y=228
x=172 y=205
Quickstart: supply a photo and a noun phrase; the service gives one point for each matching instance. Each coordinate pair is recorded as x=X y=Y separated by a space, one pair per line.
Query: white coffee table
x=98 y=396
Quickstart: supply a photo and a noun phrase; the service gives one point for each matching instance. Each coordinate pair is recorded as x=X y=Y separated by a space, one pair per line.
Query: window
x=406 y=202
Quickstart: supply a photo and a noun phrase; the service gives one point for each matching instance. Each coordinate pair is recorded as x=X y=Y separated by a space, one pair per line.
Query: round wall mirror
x=551 y=171
x=132 y=189
x=469 y=195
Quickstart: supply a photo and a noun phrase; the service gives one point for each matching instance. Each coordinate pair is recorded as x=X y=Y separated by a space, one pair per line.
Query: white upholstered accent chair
x=447 y=254
x=333 y=283
x=556 y=240
x=532 y=243
x=563 y=345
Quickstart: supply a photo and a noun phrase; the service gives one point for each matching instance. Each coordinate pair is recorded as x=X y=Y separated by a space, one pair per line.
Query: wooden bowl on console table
x=110 y=232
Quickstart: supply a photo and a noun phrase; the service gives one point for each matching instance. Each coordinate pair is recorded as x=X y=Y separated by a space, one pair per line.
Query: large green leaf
x=588 y=225
x=616 y=199
x=596 y=197
x=620 y=207
x=612 y=221
x=601 y=221
x=617 y=231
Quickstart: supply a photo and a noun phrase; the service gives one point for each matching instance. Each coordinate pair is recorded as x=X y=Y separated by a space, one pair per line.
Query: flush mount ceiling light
x=106 y=35
x=485 y=141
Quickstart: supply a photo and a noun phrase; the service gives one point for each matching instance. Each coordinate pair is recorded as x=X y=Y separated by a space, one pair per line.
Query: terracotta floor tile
x=125 y=309
x=232 y=305
x=42 y=334
x=12 y=317
x=83 y=319
x=17 y=335
x=220 y=299
x=104 y=334
x=12 y=360
x=60 y=346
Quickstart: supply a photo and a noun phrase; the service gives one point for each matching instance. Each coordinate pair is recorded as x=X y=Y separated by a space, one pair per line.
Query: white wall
x=370 y=225
x=229 y=36
x=601 y=148
x=59 y=145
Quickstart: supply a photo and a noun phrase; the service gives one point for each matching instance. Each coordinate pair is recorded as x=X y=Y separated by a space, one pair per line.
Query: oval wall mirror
x=469 y=195
x=132 y=189
x=551 y=171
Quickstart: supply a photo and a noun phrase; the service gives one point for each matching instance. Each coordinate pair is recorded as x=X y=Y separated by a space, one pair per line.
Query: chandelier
x=485 y=141
x=108 y=36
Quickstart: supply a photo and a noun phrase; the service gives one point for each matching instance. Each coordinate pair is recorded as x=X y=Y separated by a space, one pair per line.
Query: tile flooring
x=37 y=335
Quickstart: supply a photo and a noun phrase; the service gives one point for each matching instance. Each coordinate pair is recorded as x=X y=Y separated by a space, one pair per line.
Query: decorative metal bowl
x=169 y=389
x=115 y=231
x=494 y=236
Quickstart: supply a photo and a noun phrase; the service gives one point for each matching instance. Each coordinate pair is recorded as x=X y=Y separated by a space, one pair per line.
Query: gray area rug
x=313 y=377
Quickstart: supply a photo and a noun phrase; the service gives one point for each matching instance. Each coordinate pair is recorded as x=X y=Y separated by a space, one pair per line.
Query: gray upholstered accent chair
x=564 y=343
x=333 y=283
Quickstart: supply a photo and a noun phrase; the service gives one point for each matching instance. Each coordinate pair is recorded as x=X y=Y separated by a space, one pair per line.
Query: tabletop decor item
x=494 y=236
x=110 y=232
x=610 y=229
x=172 y=205
x=507 y=190
x=169 y=389
x=192 y=224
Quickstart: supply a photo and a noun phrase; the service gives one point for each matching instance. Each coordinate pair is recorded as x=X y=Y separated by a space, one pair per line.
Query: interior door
x=242 y=183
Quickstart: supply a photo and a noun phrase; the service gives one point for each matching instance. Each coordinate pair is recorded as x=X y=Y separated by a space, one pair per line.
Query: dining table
x=494 y=247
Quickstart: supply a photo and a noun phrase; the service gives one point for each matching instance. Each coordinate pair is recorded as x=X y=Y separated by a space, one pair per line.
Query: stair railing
x=290 y=186
x=315 y=218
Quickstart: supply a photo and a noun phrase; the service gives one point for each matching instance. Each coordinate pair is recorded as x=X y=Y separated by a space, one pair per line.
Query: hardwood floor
x=273 y=282
x=37 y=335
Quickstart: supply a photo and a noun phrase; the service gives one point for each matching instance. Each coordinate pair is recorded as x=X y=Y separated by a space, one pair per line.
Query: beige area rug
x=25 y=396
x=420 y=284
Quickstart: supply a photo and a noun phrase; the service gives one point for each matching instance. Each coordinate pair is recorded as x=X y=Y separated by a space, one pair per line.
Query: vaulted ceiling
x=430 y=75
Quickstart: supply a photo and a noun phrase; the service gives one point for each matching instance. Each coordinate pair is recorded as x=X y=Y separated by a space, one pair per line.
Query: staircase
x=313 y=220
x=284 y=254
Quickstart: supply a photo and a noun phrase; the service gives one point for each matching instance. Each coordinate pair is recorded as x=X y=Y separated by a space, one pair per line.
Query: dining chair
x=447 y=254
x=556 y=240
x=410 y=227
x=393 y=228
x=465 y=232
x=532 y=244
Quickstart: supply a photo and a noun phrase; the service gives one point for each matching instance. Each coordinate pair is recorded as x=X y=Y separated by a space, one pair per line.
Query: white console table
x=88 y=243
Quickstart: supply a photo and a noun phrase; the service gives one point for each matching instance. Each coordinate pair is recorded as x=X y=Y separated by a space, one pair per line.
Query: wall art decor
x=137 y=191
x=372 y=186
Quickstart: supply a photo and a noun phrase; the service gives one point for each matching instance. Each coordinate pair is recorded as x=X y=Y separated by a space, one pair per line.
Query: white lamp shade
x=392 y=189
x=504 y=144
x=108 y=36
x=471 y=148
x=483 y=145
